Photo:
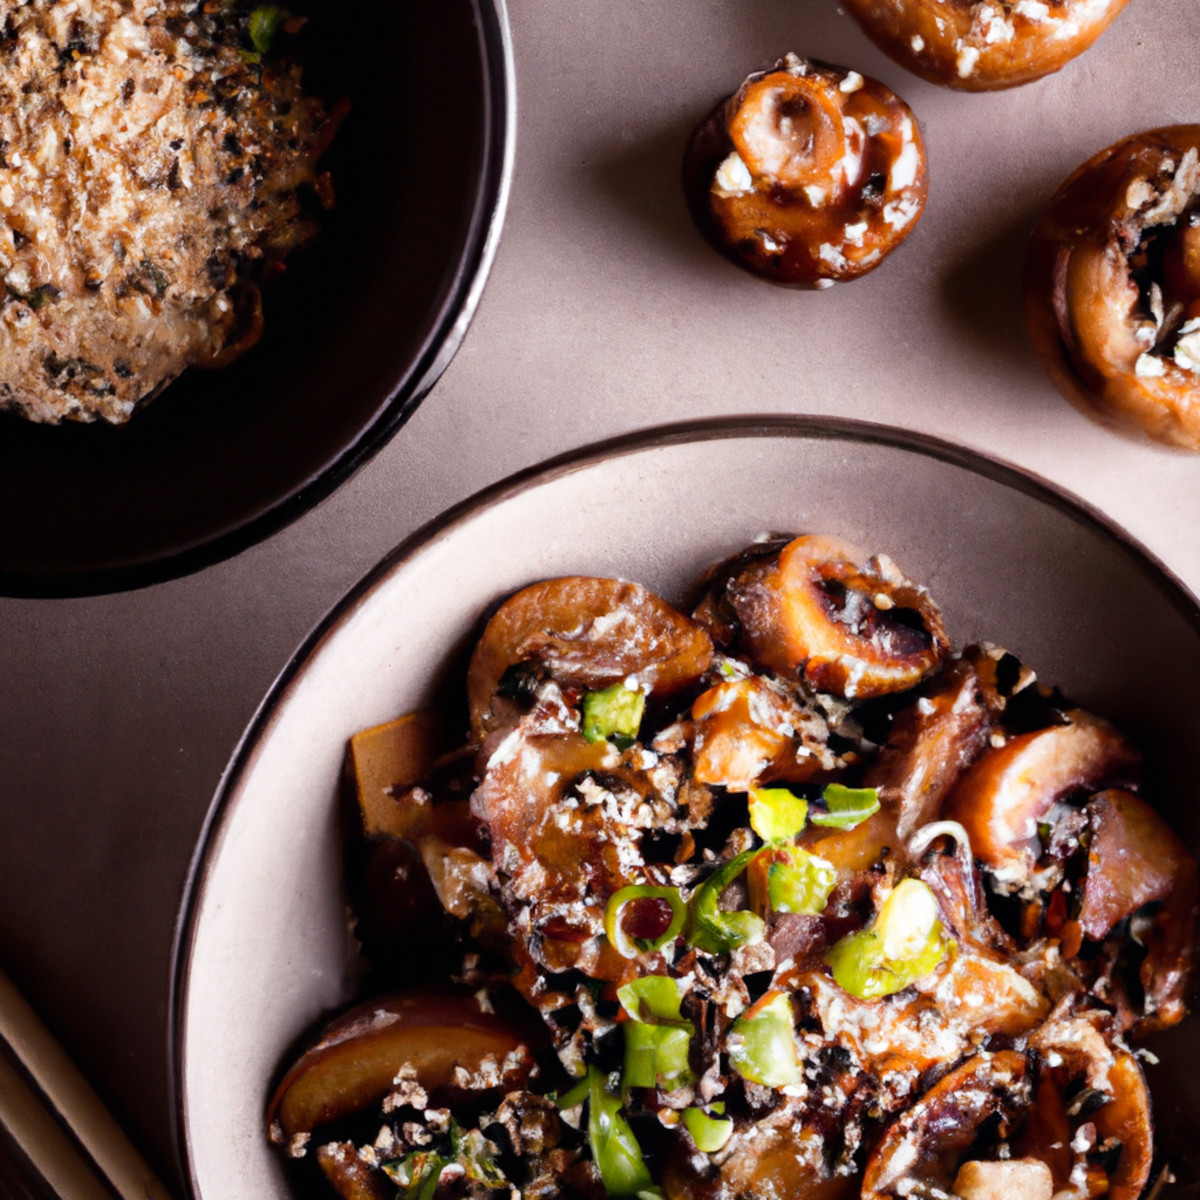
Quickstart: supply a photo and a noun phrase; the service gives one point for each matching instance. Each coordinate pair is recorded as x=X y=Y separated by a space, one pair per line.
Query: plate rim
x=441 y=342
x=783 y=425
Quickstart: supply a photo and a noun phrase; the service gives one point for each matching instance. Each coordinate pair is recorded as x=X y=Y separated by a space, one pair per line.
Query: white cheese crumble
x=733 y=177
x=1148 y=366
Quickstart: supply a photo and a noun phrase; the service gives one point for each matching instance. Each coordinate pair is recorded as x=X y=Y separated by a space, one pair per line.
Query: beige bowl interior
x=263 y=950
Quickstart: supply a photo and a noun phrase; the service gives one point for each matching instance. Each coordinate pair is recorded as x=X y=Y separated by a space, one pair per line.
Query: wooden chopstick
x=55 y=1118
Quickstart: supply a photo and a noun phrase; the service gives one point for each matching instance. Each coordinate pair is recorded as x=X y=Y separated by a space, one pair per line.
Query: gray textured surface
x=604 y=314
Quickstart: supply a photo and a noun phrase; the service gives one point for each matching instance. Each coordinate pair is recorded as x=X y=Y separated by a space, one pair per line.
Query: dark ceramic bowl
x=263 y=951
x=357 y=331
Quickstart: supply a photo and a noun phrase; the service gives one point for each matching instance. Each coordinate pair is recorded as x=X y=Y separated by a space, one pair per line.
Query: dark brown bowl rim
x=445 y=334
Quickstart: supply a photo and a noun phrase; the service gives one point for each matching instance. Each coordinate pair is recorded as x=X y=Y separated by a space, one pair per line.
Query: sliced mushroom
x=847 y=622
x=710 y=605
x=415 y=1043
x=350 y=1176
x=566 y=817
x=927 y=1145
x=1092 y=1088
x=747 y=731
x=1010 y=788
x=937 y=1020
x=776 y=1157
x=1134 y=859
x=934 y=740
x=589 y=633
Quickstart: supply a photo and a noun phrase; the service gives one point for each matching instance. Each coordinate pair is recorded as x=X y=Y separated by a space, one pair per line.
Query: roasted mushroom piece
x=1090 y=1121
x=584 y=633
x=928 y=1144
x=1134 y=860
x=845 y=621
x=559 y=848
x=808 y=174
x=934 y=741
x=983 y=46
x=420 y=1042
x=1112 y=286
x=1011 y=787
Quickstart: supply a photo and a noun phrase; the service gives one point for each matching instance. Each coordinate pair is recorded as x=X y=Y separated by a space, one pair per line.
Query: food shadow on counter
x=981 y=298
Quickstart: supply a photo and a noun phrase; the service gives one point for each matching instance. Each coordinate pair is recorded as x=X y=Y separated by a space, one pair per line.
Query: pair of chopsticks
x=56 y=1137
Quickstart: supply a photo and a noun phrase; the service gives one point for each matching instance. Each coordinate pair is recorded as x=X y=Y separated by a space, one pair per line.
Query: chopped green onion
x=776 y=814
x=717 y=932
x=848 y=807
x=615 y=1150
x=418 y=1173
x=656 y=1054
x=613 y=715
x=652 y=998
x=904 y=943
x=797 y=880
x=614 y=915
x=709 y=1133
x=658 y=1038
x=576 y=1094
x=264 y=24
x=762 y=1043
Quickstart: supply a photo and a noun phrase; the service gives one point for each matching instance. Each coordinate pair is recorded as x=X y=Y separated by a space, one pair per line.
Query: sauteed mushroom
x=425 y=1040
x=1134 y=860
x=984 y=45
x=585 y=633
x=1112 y=286
x=847 y=622
x=1011 y=787
x=1091 y=1104
x=927 y=1145
x=808 y=174
x=935 y=740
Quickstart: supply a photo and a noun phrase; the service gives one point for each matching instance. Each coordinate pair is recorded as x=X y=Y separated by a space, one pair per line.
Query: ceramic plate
x=357 y=331
x=263 y=949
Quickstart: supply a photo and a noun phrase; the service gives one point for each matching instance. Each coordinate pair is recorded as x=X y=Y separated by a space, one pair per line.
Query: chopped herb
x=709 y=1133
x=903 y=943
x=615 y=1150
x=657 y=1037
x=420 y=1172
x=776 y=814
x=717 y=932
x=574 y=1095
x=847 y=807
x=264 y=24
x=613 y=714
x=41 y=296
x=797 y=880
x=635 y=896
x=762 y=1043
